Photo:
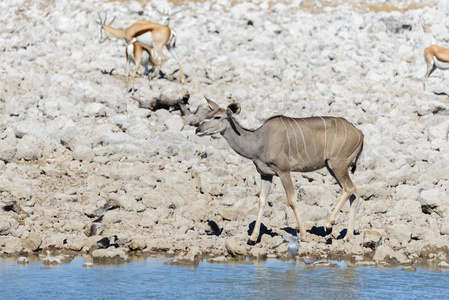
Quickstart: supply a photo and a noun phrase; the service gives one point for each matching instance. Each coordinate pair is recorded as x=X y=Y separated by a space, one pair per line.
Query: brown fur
x=160 y=35
x=138 y=50
x=283 y=145
x=440 y=53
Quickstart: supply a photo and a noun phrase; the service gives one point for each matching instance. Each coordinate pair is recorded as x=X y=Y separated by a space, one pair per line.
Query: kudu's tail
x=354 y=165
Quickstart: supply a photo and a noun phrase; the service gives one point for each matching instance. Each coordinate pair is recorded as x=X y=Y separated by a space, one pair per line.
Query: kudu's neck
x=243 y=141
x=114 y=32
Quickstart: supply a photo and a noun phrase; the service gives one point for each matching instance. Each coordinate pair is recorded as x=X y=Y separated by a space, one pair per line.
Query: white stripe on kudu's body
x=303 y=139
x=296 y=139
x=325 y=139
x=288 y=141
x=344 y=141
x=272 y=150
x=335 y=137
x=311 y=135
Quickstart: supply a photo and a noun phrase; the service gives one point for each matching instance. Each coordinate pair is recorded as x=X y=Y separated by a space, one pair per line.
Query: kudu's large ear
x=212 y=104
x=233 y=108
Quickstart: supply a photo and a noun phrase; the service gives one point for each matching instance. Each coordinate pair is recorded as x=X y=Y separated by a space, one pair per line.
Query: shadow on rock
x=263 y=230
x=291 y=231
x=319 y=231
x=213 y=228
x=106 y=72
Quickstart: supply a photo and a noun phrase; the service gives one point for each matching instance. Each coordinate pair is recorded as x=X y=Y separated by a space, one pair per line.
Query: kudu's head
x=104 y=27
x=218 y=119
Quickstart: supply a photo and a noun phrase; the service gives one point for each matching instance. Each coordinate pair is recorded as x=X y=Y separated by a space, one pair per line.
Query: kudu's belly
x=310 y=166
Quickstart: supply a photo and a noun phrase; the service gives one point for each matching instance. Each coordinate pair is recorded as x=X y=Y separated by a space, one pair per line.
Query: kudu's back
x=307 y=144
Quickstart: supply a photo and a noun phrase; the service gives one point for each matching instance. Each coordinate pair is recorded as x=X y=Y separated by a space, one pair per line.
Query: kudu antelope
x=283 y=145
x=154 y=35
x=436 y=57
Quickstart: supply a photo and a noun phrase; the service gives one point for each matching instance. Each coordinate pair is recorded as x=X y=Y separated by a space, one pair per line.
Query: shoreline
x=54 y=260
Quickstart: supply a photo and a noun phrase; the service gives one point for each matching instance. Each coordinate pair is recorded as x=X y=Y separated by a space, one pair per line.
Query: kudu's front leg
x=265 y=187
x=290 y=191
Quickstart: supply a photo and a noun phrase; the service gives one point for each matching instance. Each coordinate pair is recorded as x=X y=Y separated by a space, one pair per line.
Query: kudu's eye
x=217 y=117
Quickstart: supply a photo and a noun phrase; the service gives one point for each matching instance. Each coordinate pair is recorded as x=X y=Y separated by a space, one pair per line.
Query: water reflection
x=271 y=279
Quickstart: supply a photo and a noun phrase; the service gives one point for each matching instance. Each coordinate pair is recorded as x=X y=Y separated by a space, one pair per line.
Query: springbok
x=436 y=57
x=283 y=145
x=166 y=16
x=138 y=54
x=154 y=35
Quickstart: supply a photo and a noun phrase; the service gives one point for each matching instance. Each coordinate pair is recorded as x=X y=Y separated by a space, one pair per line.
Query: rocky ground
x=72 y=138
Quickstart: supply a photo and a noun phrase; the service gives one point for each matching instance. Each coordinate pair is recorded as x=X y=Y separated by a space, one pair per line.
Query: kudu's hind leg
x=290 y=192
x=341 y=174
x=265 y=187
x=354 y=203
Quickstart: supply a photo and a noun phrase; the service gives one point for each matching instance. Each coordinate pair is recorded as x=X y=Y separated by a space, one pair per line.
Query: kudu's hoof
x=348 y=237
x=328 y=230
x=251 y=243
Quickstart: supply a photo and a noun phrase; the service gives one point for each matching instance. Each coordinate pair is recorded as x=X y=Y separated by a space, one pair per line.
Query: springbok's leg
x=137 y=59
x=128 y=62
x=172 y=51
x=290 y=192
x=146 y=72
x=153 y=61
x=153 y=52
x=341 y=174
x=265 y=187
x=430 y=69
x=163 y=59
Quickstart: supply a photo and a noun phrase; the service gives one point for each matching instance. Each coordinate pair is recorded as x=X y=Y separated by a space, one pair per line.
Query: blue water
x=271 y=279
